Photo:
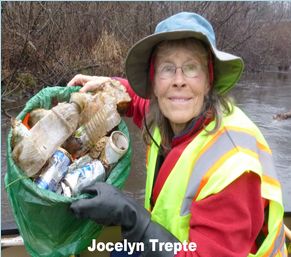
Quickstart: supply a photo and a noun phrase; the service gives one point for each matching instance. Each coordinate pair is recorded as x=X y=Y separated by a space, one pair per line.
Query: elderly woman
x=211 y=178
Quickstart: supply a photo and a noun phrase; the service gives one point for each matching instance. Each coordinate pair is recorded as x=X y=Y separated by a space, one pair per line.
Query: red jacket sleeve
x=227 y=223
x=136 y=107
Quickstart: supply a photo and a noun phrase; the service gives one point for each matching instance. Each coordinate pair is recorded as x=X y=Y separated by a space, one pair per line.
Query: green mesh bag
x=43 y=218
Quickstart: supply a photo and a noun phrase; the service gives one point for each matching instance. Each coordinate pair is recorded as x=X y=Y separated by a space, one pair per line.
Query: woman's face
x=180 y=98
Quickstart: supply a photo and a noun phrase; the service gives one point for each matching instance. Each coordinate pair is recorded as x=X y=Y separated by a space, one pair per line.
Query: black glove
x=111 y=206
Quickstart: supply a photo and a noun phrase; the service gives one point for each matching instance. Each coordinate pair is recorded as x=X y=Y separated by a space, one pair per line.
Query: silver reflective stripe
x=268 y=165
x=280 y=238
x=227 y=141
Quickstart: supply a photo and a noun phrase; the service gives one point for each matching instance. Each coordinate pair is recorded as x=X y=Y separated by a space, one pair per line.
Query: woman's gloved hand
x=111 y=206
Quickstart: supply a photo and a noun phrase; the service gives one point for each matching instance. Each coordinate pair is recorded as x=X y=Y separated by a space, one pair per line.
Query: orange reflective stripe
x=239 y=129
x=249 y=152
x=271 y=181
x=264 y=148
x=148 y=151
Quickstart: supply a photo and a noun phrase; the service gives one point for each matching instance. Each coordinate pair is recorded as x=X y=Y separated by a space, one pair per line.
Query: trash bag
x=43 y=218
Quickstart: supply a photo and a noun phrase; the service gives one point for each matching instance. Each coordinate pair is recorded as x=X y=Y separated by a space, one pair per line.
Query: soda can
x=115 y=148
x=55 y=170
x=82 y=177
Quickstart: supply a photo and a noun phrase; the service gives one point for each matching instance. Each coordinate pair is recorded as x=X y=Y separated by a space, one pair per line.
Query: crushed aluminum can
x=55 y=170
x=82 y=177
x=115 y=148
x=79 y=163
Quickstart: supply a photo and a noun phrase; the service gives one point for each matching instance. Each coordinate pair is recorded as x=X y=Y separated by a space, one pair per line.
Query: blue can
x=55 y=170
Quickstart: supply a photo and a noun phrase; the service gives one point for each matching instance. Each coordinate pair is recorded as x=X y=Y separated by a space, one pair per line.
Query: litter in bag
x=43 y=218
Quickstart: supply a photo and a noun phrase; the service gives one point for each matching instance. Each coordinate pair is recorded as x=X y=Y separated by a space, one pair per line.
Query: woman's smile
x=179 y=99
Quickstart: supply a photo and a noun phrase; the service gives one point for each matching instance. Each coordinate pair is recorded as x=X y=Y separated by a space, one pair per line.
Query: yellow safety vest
x=208 y=165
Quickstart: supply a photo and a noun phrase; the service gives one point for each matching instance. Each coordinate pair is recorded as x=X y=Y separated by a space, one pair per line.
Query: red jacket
x=223 y=224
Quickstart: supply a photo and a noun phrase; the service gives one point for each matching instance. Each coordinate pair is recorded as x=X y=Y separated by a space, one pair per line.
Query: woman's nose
x=179 y=78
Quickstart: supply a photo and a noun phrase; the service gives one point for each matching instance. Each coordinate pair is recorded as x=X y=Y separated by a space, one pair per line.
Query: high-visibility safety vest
x=208 y=165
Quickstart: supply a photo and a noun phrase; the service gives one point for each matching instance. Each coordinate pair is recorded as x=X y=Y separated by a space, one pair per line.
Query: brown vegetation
x=47 y=43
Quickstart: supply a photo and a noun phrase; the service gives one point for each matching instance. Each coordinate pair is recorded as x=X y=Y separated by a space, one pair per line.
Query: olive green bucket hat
x=227 y=68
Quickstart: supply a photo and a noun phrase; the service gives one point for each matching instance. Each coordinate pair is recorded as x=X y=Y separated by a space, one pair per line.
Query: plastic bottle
x=47 y=135
x=101 y=123
x=98 y=119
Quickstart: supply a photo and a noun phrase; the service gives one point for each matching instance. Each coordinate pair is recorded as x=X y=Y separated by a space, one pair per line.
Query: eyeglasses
x=167 y=71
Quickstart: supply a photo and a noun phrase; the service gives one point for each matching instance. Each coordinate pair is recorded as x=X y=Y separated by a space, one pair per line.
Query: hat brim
x=227 y=68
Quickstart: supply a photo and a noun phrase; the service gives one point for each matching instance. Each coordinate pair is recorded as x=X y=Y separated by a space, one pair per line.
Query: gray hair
x=215 y=105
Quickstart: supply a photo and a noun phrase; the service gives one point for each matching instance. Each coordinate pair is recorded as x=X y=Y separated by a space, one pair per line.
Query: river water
x=259 y=96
